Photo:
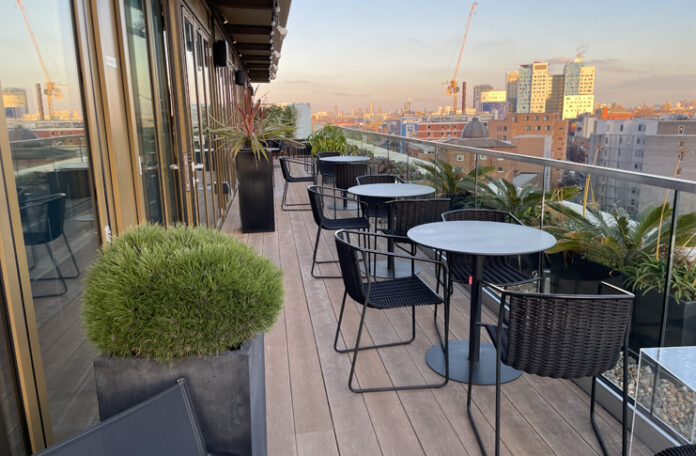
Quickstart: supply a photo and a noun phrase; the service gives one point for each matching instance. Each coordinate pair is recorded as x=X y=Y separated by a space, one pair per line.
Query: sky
x=348 y=53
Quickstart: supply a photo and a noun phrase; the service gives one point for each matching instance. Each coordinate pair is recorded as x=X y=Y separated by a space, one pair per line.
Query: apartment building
x=545 y=124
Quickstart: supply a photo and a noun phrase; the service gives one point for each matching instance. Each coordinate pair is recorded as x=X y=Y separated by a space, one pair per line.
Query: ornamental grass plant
x=169 y=293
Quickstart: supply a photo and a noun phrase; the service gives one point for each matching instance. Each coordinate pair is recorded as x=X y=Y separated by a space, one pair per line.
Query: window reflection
x=51 y=158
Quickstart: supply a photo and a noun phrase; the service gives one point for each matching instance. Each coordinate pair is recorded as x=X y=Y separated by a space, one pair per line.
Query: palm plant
x=250 y=128
x=443 y=177
x=329 y=139
x=649 y=274
x=613 y=239
x=523 y=202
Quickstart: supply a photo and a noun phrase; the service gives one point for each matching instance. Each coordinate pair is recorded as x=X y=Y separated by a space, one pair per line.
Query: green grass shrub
x=178 y=292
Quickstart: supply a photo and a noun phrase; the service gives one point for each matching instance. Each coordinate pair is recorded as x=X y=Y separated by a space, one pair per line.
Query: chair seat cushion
x=403 y=292
x=492 y=330
x=345 y=223
x=495 y=271
x=300 y=179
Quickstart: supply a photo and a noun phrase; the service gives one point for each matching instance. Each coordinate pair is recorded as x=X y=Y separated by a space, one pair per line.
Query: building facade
x=511 y=87
x=519 y=125
x=651 y=146
x=103 y=122
x=478 y=90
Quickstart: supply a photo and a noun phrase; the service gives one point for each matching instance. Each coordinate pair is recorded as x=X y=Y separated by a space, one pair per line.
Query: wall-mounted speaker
x=220 y=53
x=240 y=77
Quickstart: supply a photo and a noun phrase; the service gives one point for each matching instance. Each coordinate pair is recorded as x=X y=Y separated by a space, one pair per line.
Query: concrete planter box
x=228 y=391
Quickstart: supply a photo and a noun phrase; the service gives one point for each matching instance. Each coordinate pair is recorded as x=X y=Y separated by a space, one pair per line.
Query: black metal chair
x=346 y=174
x=164 y=425
x=403 y=292
x=405 y=214
x=317 y=195
x=685 y=450
x=285 y=163
x=42 y=223
x=560 y=336
x=375 y=206
x=326 y=169
x=497 y=270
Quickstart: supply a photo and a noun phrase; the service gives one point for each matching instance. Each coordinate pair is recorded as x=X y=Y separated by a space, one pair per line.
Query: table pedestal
x=399 y=269
x=484 y=369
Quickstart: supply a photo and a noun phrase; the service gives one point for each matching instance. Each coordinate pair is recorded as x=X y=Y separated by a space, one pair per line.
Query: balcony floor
x=311 y=411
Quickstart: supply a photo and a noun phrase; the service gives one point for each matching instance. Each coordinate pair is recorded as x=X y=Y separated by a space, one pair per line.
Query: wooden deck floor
x=311 y=411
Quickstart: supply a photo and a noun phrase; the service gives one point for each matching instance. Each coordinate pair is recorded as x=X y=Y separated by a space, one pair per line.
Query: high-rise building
x=15 y=102
x=554 y=103
x=478 y=89
x=578 y=91
x=511 y=82
x=533 y=87
x=372 y=107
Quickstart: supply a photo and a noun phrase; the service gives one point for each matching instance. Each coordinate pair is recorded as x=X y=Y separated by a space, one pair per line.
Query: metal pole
x=670 y=262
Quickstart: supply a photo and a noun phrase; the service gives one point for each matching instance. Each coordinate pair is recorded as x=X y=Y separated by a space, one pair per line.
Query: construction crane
x=453 y=86
x=50 y=89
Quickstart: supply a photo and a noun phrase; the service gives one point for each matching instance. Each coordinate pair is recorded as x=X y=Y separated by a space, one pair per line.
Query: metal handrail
x=670 y=183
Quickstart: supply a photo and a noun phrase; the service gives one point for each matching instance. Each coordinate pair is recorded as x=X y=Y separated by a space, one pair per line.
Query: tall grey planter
x=228 y=391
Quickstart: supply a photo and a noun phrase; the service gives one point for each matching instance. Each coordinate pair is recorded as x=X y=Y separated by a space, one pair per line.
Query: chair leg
x=592 y=418
x=284 y=205
x=77 y=268
x=315 y=261
x=59 y=277
x=358 y=348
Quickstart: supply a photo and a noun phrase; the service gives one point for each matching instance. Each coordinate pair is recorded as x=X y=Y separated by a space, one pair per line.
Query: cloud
x=348 y=94
x=299 y=81
x=660 y=82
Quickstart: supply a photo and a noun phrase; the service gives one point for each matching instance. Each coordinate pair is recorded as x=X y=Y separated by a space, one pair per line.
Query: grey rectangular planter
x=228 y=392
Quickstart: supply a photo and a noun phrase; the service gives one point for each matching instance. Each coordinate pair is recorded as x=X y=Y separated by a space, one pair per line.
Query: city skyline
x=351 y=54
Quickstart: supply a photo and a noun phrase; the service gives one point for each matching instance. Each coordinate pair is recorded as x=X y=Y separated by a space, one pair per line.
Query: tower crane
x=453 y=85
x=50 y=90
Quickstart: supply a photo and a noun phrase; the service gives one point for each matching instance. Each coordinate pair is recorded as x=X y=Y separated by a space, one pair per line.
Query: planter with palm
x=245 y=137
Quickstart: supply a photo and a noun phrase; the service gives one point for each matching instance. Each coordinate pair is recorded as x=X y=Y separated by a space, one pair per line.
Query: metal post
x=670 y=262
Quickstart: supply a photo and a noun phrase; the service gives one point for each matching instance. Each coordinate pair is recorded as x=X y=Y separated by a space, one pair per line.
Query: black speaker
x=240 y=77
x=220 y=53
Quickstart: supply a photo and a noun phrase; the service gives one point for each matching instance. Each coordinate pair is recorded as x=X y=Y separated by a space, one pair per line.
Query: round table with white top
x=478 y=239
x=345 y=159
x=389 y=267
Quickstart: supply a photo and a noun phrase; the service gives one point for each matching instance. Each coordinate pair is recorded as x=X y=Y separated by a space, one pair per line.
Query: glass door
x=51 y=159
x=149 y=82
x=197 y=51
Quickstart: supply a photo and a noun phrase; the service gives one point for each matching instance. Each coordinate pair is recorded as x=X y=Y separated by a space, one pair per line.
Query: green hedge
x=177 y=292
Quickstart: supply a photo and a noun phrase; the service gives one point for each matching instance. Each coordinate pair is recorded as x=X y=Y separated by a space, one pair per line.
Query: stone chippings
x=674 y=403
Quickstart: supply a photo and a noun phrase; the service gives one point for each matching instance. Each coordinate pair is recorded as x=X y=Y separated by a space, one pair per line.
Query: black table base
x=399 y=269
x=484 y=369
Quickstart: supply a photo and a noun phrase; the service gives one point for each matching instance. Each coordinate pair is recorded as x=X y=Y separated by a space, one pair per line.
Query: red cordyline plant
x=250 y=129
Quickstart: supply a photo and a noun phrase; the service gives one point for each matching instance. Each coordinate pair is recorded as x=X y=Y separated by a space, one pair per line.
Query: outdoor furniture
x=481 y=240
x=326 y=168
x=403 y=292
x=287 y=175
x=317 y=194
x=345 y=175
x=560 y=336
x=497 y=269
x=164 y=425
x=42 y=223
x=389 y=267
x=375 y=206
x=405 y=214
x=686 y=450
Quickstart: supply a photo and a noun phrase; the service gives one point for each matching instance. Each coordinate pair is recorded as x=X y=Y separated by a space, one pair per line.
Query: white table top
x=345 y=159
x=481 y=238
x=391 y=190
x=679 y=361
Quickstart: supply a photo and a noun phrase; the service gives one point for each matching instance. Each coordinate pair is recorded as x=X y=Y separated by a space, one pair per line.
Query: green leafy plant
x=250 y=128
x=443 y=177
x=523 y=202
x=612 y=238
x=329 y=139
x=649 y=274
x=168 y=293
x=283 y=115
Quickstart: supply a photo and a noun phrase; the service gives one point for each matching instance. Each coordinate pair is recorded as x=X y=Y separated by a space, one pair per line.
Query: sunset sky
x=347 y=53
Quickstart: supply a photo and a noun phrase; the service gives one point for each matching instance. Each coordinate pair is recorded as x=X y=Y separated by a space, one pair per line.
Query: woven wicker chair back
x=479 y=215
x=346 y=174
x=316 y=202
x=685 y=450
x=350 y=267
x=378 y=179
x=326 y=167
x=285 y=168
x=566 y=337
x=409 y=213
